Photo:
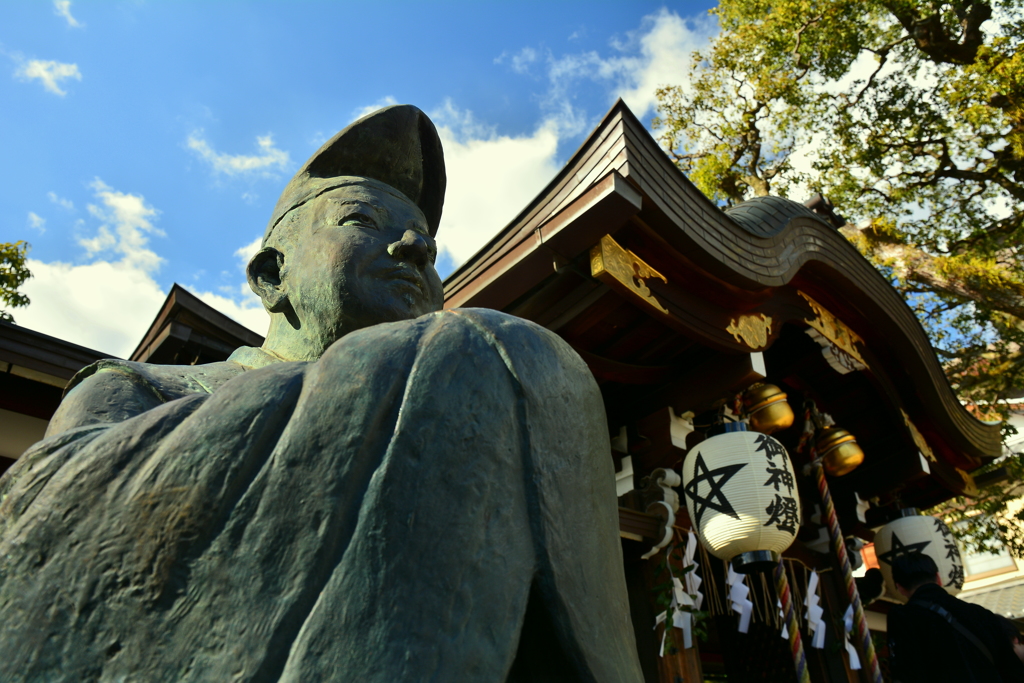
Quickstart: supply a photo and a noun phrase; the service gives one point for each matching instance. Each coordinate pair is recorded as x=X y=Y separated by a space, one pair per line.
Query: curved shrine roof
x=717 y=275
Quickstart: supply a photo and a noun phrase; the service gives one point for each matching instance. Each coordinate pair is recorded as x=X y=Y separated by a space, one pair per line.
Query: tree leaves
x=909 y=116
x=13 y=273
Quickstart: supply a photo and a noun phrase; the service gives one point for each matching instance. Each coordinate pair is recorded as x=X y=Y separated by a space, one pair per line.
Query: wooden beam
x=636 y=525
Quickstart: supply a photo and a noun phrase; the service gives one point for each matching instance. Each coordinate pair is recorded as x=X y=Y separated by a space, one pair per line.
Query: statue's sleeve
x=111 y=391
x=104 y=393
x=101 y=395
x=186 y=542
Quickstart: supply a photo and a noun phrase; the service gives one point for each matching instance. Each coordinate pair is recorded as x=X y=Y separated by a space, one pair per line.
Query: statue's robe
x=431 y=500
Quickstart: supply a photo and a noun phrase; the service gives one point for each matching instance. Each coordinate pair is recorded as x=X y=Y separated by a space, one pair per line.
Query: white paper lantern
x=742 y=498
x=916 y=533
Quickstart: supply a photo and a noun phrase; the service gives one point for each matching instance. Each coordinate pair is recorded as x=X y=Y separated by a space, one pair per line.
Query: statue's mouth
x=407 y=275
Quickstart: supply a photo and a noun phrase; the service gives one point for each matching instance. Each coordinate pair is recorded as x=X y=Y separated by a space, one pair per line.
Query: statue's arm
x=106 y=395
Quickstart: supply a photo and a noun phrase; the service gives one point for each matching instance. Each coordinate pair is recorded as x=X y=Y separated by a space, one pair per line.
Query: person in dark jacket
x=1013 y=635
x=937 y=637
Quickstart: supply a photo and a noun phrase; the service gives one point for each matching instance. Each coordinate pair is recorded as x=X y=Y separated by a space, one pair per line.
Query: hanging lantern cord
x=796 y=644
x=867 y=647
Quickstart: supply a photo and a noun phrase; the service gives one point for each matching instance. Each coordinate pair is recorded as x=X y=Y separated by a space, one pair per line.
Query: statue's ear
x=264 y=275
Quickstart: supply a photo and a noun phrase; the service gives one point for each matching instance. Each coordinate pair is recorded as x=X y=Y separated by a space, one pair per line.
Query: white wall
x=18 y=432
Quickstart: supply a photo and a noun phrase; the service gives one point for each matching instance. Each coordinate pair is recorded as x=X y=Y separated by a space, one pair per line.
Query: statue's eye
x=359 y=220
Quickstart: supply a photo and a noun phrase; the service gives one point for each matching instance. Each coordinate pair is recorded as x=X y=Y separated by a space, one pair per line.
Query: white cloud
x=246 y=252
x=246 y=309
x=62 y=8
x=268 y=159
x=523 y=59
x=666 y=43
x=36 y=222
x=106 y=306
x=60 y=201
x=385 y=101
x=49 y=73
x=655 y=54
x=317 y=139
x=124 y=228
x=491 y=177
x=108 y=303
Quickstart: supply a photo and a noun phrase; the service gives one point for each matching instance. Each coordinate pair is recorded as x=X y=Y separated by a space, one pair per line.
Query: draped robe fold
x=431 y=500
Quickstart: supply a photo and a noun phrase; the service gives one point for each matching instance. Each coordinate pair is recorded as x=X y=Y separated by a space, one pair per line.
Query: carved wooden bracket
x=624 y=270
x=838 y=341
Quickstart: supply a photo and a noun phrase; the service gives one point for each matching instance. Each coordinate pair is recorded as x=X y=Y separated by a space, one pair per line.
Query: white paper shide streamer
x=681 y=619
x=782 y=617
x=693 y=581
x=851 y=651
x=814 y=613
x=738 y=599
x=688 y=597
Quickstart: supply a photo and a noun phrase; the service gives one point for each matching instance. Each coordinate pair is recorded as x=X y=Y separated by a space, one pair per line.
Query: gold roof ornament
x=619 y=267
x=919 y=440
x=752 y=330
x=839 y=342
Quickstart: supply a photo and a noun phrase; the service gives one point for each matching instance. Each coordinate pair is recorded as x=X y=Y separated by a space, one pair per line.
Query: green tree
x=909 y=116
x=13 y=273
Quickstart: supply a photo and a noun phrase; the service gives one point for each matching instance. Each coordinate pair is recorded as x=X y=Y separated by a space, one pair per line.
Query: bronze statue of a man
x=383 y=492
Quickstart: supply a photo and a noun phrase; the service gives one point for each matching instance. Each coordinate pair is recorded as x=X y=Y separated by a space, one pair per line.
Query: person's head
x=1012 y=634
x=350 y=243
x=910 y=572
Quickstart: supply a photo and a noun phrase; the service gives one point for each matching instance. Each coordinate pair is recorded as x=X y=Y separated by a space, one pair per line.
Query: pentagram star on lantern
x=898 y=549
x=716 y=479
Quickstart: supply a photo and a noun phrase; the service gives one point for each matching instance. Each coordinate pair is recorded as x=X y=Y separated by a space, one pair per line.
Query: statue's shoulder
x=113 y=390
x=518 y=341
x=485 y=321
x=169 y=382
x=534 y=355
x=503 y=325
x=493 y=326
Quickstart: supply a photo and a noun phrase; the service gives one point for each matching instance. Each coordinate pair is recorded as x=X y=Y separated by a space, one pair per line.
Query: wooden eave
x=50 y=362
x=185 y=319
x=43 y=353
x=620 y=183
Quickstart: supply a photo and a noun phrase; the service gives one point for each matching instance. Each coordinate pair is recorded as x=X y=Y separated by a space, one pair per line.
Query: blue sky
x=145 y=143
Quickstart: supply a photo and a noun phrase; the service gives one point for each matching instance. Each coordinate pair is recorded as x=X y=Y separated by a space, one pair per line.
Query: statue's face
x=362 y=257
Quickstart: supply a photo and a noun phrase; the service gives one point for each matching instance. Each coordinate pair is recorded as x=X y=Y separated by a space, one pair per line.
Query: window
x=978 y=563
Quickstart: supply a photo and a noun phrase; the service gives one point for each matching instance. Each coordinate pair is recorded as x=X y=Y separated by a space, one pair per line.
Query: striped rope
x=867 y=648
x=796 y=644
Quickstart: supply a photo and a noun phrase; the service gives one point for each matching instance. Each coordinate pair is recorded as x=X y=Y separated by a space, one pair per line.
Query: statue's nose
x=413 y=247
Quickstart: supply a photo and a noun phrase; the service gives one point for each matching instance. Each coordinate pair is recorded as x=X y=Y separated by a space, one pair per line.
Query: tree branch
x=997 y=291
x=931 y=37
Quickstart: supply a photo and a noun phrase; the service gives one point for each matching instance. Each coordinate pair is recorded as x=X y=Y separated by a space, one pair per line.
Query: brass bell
x=839 y=451
x=767 y=408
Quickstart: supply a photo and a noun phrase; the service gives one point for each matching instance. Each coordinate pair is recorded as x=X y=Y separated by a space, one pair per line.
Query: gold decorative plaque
x=970 y=488
x=919 y=440
x=613 y=265
x=752 y=330
x=834 y=329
